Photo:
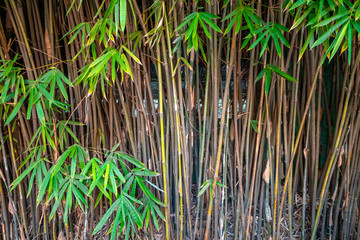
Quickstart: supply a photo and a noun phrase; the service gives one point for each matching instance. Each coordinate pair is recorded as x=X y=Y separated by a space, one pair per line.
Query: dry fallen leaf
x=341 y=157
x=266 y=174
x=61 y=236
x=11 y=209
x=306 y=153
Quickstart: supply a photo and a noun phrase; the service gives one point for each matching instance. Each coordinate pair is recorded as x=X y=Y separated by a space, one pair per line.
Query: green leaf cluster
x=72 y=181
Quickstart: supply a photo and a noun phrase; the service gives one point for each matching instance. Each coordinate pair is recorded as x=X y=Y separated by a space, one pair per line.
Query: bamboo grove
x=179 y=119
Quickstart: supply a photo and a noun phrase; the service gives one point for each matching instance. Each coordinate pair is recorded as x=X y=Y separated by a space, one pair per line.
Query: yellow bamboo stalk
x=162 y=133
x=336 y=148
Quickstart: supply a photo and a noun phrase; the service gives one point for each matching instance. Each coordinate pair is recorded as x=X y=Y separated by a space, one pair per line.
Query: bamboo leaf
x=31 y=182
x=349 y=43
x=186 y=63
x=249 y=23
x=281 y=73
x=68 y=203
x=131 y=198
x=40 y=112
x=331 y=19
x=128 y=184
x=106 y=216
x=62 y=88
x=357 y=13
x=254 y=124
x=297 y=4
x=96 y=182
x=265 y=45
x=220 y=184
x=117 y=172
x=186 y=21
x=261 y=74
x=208 y=15
x=131 y=54
x=106 y=177
x=116 y=224
x=43 y=187
x=204 y=28
x=205 y=186
x=327 y=34
x=147 y=192
x=133 y=212
x=259 y=39
x=61 y=161
x=122 y=14
x=81 y=186
x=212 y=24
x=306 y=43
x=235 y=12
x=356 y=25
x=231 y=24
x=24 y=174
x=145 y=172
x=339 y=39
x=281 y=37
x=267 y=81
x=15 y=110
x=154 y=217
x=45 y=93
x=301 y=18
x=132 y=160
x=58 y=200
x=79 y=197
x=159 y=213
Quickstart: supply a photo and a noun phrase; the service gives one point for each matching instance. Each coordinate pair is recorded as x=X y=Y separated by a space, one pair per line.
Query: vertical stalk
x=164 y=160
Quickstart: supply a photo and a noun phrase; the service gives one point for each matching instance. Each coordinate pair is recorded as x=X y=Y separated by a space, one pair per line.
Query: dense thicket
x=179 y=119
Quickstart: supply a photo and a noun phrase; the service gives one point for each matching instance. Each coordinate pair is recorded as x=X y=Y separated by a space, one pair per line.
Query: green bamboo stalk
x=222 y=124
